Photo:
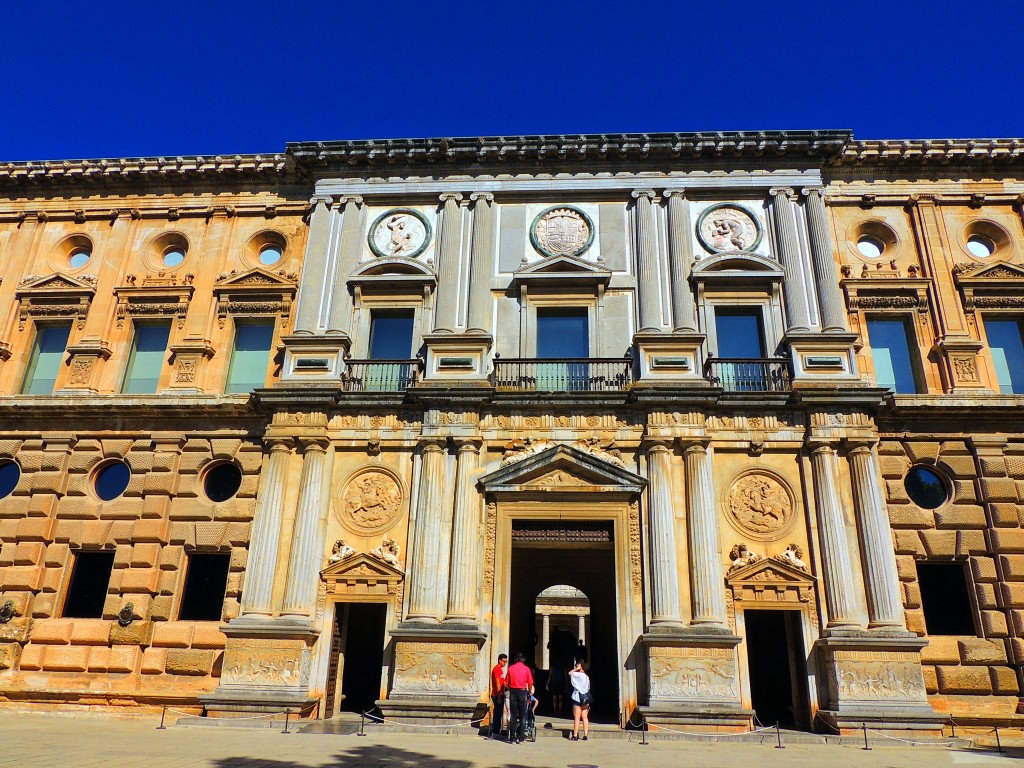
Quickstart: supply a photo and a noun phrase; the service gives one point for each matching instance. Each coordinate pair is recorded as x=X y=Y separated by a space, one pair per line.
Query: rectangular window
x=944 y=599
x=206 y=581
x=740 y=332
x=891 y=342
x=90 y=577
x=250 y=356
x=149 y=348
x=563 y=333
x=47 y=356
x=1006 y=340
x=391 y=334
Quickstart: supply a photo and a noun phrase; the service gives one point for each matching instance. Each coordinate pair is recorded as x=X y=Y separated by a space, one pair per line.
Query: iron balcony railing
x=749 y=374
x=379 y=375
x=566 y=375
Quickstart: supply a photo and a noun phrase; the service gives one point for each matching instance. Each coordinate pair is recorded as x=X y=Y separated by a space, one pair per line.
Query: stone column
x=707 y=584
x=481 y=263
x=664 y=564
x=446 y=301
x=647 y=261
x=426 y=600
x=309 y=531
x=680 y=250
x=258 y=591
x=581 y=633
x=789 y=254
x=463 y=586
x=313 y=284
x=835 y=556
x=885 y=606
x=545 y=620
x=340 y=311
x=826 y=278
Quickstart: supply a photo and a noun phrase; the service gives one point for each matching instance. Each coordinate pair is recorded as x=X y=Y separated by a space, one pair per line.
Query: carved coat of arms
x=402 y=232
x=562 y=231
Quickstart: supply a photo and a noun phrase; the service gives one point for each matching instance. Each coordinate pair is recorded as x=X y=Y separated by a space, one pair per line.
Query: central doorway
x=578 y=556
x=778 y=667
x=357 y=658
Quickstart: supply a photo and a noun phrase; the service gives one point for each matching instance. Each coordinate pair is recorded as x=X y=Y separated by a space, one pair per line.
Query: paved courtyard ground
x=102 y=741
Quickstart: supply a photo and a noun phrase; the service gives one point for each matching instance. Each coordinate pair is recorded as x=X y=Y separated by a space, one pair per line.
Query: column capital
x=678 y=192
x=694 y=446
x=356 y=200
x=860 y=447
x=455 y=197
x=786 y=192
x=822 y=448
x=658 y=446
x=433 y=445
x=808 y=191
x=279 y=444
x=326 y=200
x=468 y=444
x=315 y=444
x=476 y=197
x=650 y=194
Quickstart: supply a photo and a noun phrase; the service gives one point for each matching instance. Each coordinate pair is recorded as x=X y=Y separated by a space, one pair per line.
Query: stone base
x=309 y=358
x=699 y=716
x=227 y=700
x=907 y=721
x=823 y=358
x=670 y=357
x=457 y=357
x=435 y=710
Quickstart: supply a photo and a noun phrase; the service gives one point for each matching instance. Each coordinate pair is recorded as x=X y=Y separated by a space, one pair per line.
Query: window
x=206 y=581
x=10 y=474
x=149 y=348
x=47 y=356
x=944 y=598
x=111 y=480
x=1006 y=340
x=563 y=334
x=926 y=488
x=740 y=332
x=981 y=246
x=391 y=334
x=895 y=368
x=250 y=356
x=87 y=591
x=870 y=246
x=173 y=256
x=79 y=258
x=269 y=255
x=222 y=481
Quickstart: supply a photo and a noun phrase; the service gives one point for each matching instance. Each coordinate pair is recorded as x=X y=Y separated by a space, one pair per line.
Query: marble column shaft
x=308 y=535
x=581 y=632
x=545 y=638
x=664 y=563
x=885 y=605
x=680 y=249
x=647 y=261
x=789 y=254
x=481 y=263
x=340 y=317
x=706 y=573
x=446 y=302
x=463 y=586
x=258 y=592
x=836 y=569
x=314 y=273
x=826 y=277
x=427 y=601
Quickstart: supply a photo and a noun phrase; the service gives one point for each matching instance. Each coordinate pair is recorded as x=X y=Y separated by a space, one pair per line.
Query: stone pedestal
x=670 y=358
x=457 y=358
x=314 y=358
x=190 y=355
x=958 y=359
x=86 y=357
x=820 y=358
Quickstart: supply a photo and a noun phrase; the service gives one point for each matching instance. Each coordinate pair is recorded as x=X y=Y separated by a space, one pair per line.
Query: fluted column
x=826 y=278
x=706 y=578
x=348 y=252
x=581 y=633
x=835 y=554
x=647 y=261
x=446 y=302
x=481 y=264
x=426 y=598
x=885 y=605
x=264 y=543
x=664 y=564
x=313 y=285
x=680 y=250
x=789 y=254
x=309 y=531
x=463 y=588
x=545 y=638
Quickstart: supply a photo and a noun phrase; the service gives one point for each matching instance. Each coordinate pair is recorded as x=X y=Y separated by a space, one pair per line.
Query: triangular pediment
x=771 y=570
x=57 y=283
x=562 y=270
x=729 y=264
x=1000 y=270
x=361 y=567
x=562 y=468
x=256 y=279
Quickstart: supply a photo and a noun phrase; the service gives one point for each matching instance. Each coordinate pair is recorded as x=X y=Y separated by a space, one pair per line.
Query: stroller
x=530 y=727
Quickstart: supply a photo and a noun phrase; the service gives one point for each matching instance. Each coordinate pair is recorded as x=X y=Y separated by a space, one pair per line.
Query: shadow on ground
x=375 y=755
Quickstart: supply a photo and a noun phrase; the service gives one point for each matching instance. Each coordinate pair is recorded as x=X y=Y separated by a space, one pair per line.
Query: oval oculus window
x=926 y=488
x=10 y=474
x=222 y=481
x=270 y=254
x=870 y=246
x=79 y=258
x=112 y=480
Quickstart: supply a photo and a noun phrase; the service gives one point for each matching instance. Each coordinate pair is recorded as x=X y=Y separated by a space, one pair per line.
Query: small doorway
x=778 y=667
x=357 y=658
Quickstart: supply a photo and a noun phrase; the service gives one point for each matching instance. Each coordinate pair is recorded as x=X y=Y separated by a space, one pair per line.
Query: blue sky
x=110 y=79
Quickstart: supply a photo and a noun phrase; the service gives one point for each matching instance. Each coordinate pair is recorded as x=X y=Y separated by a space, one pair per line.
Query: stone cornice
x=930 y=152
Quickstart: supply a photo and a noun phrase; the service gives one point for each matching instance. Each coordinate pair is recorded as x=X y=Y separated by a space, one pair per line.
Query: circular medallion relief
x=401 y=232
x=371 y=502
x=760 y=506
x=562 y=230
x=727 y=227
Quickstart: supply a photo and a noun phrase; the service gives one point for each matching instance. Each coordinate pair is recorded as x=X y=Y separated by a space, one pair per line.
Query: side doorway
x=777 y=664
x=356 y=668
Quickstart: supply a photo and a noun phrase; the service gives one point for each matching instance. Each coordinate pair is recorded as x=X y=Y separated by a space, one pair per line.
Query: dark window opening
x=944 y=598
x=562 y=332
x=893 y=353
x=206 y=581
x=391 y=334
x=1006 y=340
x=87 y=591
x=925 y=488
x=10 y=474
x=112 y=480
x=740 y=332
x=222 y=482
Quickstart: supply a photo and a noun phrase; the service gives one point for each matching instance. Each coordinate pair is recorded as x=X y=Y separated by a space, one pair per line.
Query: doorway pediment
x=362 y=574
x=562 y=469
x=771 y=579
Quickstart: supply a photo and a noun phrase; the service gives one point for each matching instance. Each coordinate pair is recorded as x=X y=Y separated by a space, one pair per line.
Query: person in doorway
x=519 y=680
x=581 y=700
x=498 y=695
x=581 y=653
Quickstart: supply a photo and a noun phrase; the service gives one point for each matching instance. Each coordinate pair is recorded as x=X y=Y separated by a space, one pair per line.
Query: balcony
x=379 y=375
x=749 y=374
x=569 y=375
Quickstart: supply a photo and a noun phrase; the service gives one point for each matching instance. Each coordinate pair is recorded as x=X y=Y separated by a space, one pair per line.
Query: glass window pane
x=890 y=350
x=563 y=333
x=47 y=357
x=250 y=356
x=149 y=348
x=391 y=335
x=1004 y=337
x=740 y=332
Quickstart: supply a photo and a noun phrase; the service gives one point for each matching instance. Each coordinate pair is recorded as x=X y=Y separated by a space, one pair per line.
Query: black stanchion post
x=287 y=714
x=999 y=744
x=778 y=737
x=865 y=727
x=163 y=713
x=362 y=724
x=952 y=726
x=643 y=733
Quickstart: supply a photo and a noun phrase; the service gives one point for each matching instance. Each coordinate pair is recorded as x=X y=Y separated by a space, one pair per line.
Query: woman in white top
x=581 y=700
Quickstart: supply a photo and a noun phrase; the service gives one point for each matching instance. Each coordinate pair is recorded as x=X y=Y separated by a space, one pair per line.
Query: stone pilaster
x=257 y=596
x=680 y=251
x=309 y=532
x=826 y=278
x=482 y=263
x=664 y=565
x=706 y=579
x=339 y=317
x=87 y=358
x=427 y=601
x=463 y=586
x=446 y=301
x=797 y=317
x=647 y=261
x=322 y=220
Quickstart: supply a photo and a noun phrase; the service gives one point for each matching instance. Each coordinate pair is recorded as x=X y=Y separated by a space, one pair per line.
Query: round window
x=173 y=257
x=112 y=480
x=222 y=481
x=79 y=258
x=980 y=246
x=926 y=488
x=270 y=254
x=10 y=474
x=870 y=246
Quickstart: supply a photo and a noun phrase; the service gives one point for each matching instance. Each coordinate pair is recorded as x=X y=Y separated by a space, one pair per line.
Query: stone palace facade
x=314 y=431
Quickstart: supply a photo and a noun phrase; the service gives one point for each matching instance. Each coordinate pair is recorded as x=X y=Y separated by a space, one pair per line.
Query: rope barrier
x=385 y=721
x=912 y=741
x=182 y=714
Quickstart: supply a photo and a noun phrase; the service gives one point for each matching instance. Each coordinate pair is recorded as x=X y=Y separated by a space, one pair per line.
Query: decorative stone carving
x=741 y=557
x=609 y=452
x=490 y=537
x=401 y=232
x=521 y=448
x=81 y=370
x=793 y=555
x=693 y=673
x=759 y=505
x=635 y=556
x=965 y=369
x=340 y=551
x=371 y=502
x=874 y=676
x=562 y=231
x=389 y=552
x=435 y=667
x=728 y=227
x=126 y=615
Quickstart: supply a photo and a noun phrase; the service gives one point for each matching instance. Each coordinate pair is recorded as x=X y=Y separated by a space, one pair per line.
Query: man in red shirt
x=498 y=695
x=519 y=680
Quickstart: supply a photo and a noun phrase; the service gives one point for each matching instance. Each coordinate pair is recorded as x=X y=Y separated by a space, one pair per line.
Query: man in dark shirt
x=498 y=695
x=519 y=680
